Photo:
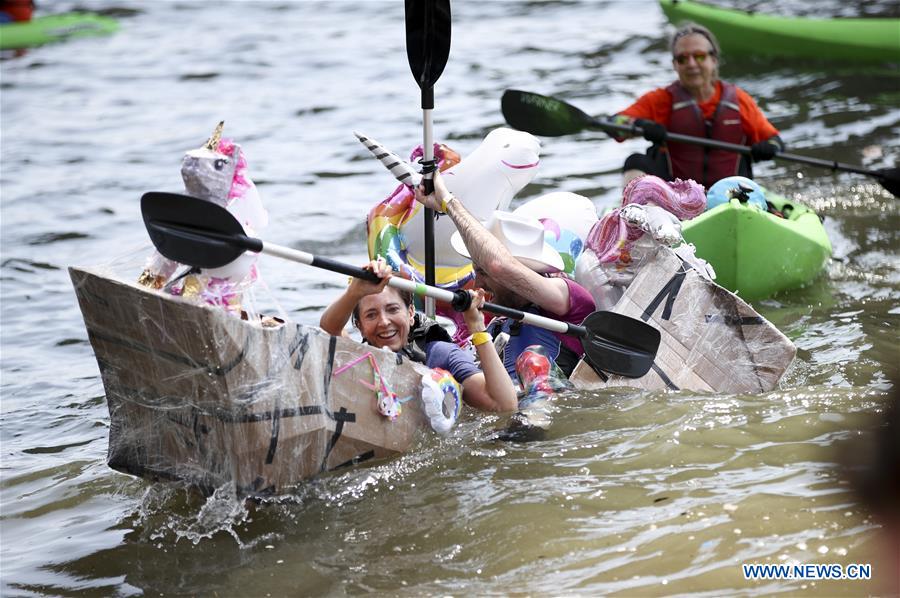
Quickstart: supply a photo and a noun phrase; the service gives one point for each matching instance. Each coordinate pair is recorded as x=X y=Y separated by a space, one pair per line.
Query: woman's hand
x=473 y=316
x=360 y=288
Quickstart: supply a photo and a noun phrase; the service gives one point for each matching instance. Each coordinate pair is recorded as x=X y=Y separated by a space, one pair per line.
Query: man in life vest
x=700 y=105
x=514 y=263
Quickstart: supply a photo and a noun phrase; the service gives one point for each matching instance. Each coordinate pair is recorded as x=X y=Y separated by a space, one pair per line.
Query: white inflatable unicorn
x=484 y=181
x=216 y=172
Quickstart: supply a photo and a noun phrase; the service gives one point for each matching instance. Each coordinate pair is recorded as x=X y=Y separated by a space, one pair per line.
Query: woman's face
x=384 y=319
x=695 y=62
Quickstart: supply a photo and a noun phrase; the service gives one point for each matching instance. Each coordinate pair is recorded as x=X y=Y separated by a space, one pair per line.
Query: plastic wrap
x=215 y=172
x=198 y=395
x=711 y=339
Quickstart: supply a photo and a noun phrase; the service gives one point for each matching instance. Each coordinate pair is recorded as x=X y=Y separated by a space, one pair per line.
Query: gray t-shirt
x=448 y=356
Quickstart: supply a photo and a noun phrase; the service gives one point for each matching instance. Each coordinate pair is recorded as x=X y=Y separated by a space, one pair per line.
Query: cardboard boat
x=712 y=341
x=202 y=397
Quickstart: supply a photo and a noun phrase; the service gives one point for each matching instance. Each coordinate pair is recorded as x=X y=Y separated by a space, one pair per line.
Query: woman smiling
x=386 y=318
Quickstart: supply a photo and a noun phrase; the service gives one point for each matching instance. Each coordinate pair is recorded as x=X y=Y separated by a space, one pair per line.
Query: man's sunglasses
x=699 y=57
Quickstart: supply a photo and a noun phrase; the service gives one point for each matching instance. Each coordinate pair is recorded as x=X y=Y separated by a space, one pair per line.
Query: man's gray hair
x=690 y=28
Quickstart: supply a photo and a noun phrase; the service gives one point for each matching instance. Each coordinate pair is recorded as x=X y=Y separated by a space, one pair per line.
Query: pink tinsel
x=239 y=183
x=685 y=199
x=611 y=238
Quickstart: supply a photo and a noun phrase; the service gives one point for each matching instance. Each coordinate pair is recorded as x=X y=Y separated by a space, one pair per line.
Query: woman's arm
x=336 y=315
x=492 y=390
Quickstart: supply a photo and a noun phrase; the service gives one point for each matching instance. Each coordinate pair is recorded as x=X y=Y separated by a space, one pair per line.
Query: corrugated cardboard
x=711 y=339
x=200 y=396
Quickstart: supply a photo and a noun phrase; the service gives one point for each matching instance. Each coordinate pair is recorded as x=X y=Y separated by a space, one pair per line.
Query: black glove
x=653 y=132
x=764 y=150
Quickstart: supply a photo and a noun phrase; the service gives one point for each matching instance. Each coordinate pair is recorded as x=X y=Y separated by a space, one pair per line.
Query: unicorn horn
x=212 y=143
x=402 y=170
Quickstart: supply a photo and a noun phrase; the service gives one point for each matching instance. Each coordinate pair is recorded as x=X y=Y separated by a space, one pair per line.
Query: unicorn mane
x=239 y=182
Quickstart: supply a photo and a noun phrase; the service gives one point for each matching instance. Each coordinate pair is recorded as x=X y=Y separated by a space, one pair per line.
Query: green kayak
x=53 y=28
x=743 y=32
x=757 y=254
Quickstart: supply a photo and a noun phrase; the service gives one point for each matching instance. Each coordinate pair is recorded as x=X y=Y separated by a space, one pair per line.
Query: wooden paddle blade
x=193 y=231
x=542 y=115
x=619 y=344
x=890 y=180
x=427 y=39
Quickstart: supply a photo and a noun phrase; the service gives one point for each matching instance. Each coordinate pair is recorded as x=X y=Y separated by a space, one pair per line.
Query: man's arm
x=756 y=126
x=654 y=106
x=491 y=255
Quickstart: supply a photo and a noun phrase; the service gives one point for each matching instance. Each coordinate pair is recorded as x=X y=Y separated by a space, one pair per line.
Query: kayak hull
x=54 y=28
x=757 y=254
x=740 y=32
x=201 y=397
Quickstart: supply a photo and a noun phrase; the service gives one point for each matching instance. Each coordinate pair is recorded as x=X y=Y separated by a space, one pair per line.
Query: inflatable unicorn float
x=602 y=254
x=215 y=172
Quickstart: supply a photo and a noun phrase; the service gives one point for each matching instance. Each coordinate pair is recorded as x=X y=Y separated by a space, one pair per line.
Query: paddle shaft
x=206 y=235
x=428 y=182
x=427 y=48
x=733 y=147
x=459 y=300
x=544 y=115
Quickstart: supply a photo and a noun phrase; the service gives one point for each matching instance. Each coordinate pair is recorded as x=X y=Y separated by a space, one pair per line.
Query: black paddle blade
x=619 y=344
x=193 y=231
x=427 y=39
x=890 y=180
x=542 y=115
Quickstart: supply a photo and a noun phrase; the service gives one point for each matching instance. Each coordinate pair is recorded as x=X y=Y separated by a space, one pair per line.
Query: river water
x=630 y=493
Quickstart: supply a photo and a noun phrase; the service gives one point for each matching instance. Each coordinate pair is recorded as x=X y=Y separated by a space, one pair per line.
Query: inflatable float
x=486 y=180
